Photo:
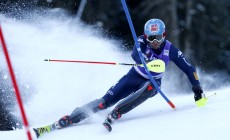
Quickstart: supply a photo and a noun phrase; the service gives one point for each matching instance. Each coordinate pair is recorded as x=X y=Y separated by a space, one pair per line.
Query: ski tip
x=107 y=126
x=36 y=132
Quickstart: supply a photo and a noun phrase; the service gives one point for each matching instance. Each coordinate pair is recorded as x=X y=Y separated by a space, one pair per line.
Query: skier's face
x=155 y=40
x=155 y=44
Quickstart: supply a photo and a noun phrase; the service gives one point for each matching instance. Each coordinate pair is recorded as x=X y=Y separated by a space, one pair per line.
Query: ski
x=44 y=129
x=107 y=125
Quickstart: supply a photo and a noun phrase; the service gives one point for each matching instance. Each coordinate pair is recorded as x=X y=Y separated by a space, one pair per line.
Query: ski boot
x=114 y=115
x=63 y=122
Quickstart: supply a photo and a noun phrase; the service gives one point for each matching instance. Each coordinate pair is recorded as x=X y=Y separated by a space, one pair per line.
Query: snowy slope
x=56 y=89
x=155 y=120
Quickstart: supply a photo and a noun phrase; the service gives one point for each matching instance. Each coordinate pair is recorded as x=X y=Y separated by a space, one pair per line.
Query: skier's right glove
x=157 y=66
x=199 y=97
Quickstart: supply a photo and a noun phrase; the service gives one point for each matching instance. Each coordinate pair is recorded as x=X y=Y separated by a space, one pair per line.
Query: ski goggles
x=158 y=38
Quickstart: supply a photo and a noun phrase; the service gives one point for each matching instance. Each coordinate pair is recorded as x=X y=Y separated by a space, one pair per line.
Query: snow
x=56 y=89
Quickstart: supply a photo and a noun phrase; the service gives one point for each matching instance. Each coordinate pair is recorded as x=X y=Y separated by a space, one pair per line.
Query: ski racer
x=135 y=87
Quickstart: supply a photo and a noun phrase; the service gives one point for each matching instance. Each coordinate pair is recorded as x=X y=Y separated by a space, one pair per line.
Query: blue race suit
x=136 y=77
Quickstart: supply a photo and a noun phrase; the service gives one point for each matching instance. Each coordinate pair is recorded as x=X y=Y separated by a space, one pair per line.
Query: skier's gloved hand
x=157 y=66
x=197 y=92
x=199 y=97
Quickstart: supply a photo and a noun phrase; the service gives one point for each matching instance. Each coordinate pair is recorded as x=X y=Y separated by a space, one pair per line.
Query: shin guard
x=135 y=99
x=83 y=112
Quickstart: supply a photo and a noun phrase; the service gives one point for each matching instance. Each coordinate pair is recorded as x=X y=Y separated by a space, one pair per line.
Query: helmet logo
x=154 y=27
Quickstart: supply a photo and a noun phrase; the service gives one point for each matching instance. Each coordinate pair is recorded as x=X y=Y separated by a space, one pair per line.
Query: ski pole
x=91 y=62
x=211 y=95
x=157 y=66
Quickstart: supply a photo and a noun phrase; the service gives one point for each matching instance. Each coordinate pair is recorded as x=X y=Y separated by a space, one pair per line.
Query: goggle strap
x=164 y=34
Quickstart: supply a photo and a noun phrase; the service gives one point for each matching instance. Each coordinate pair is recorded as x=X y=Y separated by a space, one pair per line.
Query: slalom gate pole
x=140 y=53
x=14 y=82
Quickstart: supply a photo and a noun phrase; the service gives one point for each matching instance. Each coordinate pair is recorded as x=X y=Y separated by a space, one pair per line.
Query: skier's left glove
x=199 y=97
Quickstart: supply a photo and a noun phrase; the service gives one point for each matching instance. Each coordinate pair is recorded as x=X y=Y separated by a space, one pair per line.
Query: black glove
x=197 y=92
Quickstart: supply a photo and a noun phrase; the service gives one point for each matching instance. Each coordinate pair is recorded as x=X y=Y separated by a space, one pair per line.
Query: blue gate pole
x=140 y=53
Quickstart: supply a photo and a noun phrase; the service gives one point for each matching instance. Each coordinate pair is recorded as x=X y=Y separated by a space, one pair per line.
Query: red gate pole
x=14 y=82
